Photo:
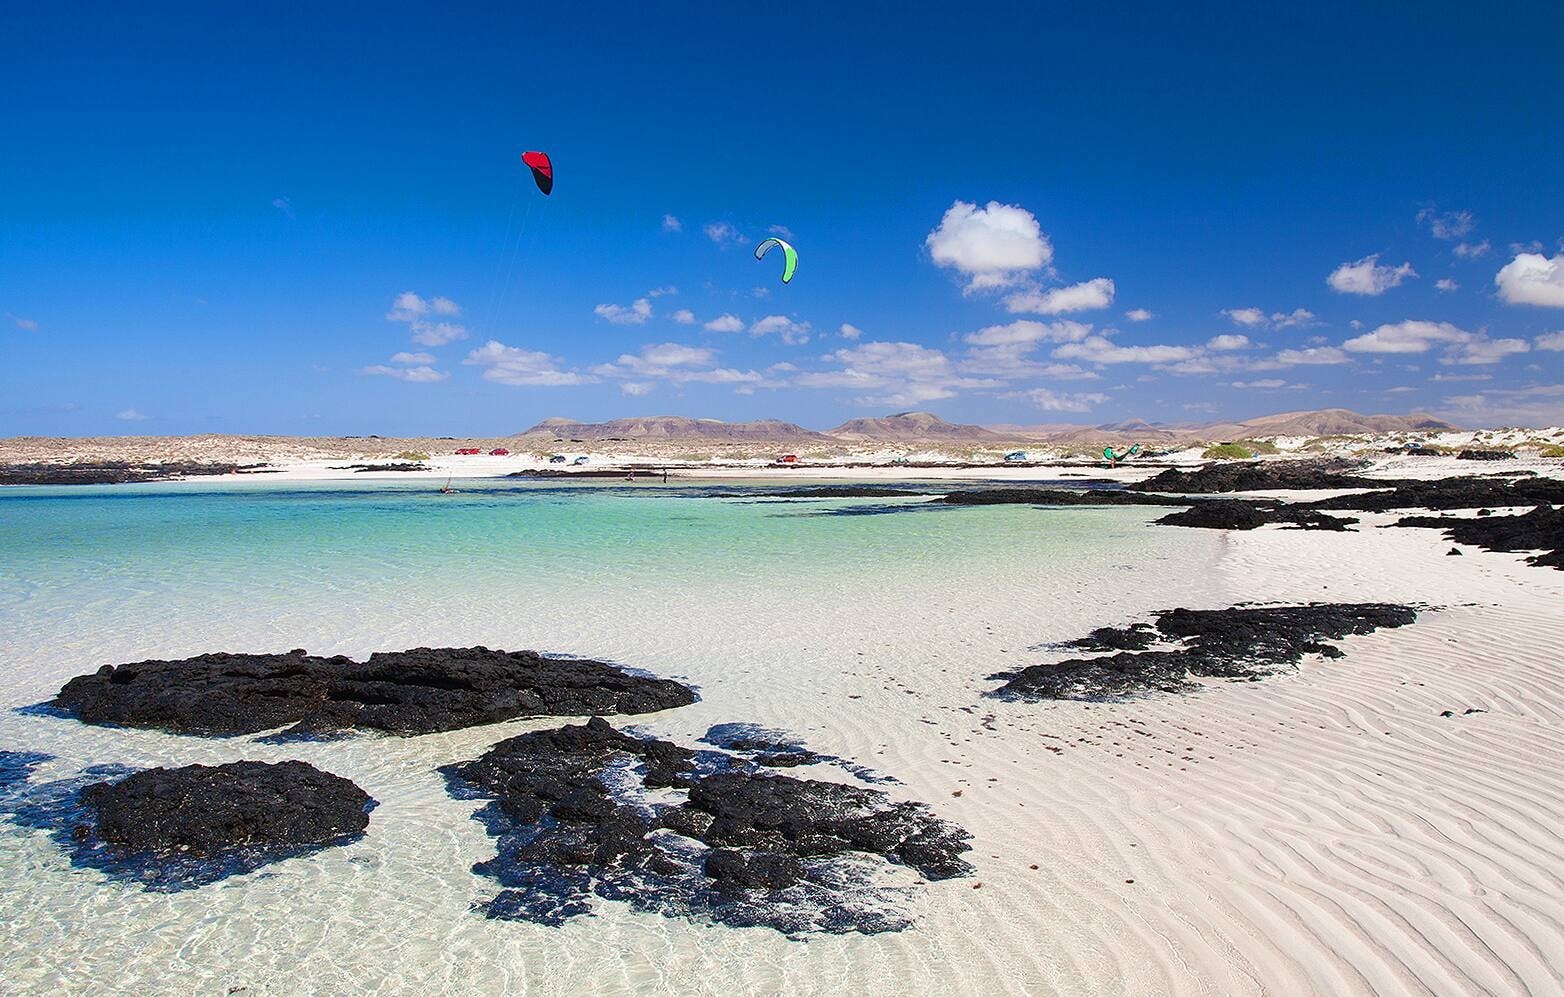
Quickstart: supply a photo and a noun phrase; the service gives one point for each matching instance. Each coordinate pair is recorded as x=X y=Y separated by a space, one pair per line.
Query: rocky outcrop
x=1237 y=514
x=1453 y=493
x=399 y=692
x=1261 y=476
x=1238 y=643
x=589 y=812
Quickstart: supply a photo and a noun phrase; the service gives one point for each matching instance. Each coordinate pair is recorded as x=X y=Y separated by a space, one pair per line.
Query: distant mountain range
x=928 y=428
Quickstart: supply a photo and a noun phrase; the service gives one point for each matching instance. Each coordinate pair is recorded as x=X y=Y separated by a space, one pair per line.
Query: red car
x=499 y=452
x=468 y=451
x=788 y=459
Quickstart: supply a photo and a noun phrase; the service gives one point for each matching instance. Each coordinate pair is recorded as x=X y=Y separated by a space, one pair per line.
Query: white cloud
x=658 y=292
x=672 y=224
x=1228 y=342
x=1054 y=401
x=1311 y=355
x=792 y=333
x=1296 y=317
x=1245 y=316
x=1446 y=285
x=1482 y=350
x=422 y=374
x=412 y=358
x=129 y=415
x=1100 y=349
x=674 y=362
x=1264 y=384
x=683 y=316
x=1407 y=337
x=1029 y=331
x=1366 y=276
x=1447 y=224
x=436 y=333
x=1472 y=250
x=895 y=374
x=413 y=311
x=1139 y=315
x=722 y=233
x=284 y=205
x=850 y=331
x=1551 y=341
x=993 y=246
x=513 y=365
x=22 y=323
x=638 y=312
x=725 y=323
x=781 y=231
x=1084 y=297
x=1537 y=405
x=1533 y=279
x=636 y=389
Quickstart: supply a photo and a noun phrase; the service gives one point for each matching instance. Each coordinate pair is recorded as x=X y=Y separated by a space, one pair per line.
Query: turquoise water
x=860 y=633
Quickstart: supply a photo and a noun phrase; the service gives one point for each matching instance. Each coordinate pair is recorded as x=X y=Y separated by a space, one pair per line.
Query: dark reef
x=1238 y=643
x=400 y=692
x=584 y=812
x=1452 y=493
x=113 y=472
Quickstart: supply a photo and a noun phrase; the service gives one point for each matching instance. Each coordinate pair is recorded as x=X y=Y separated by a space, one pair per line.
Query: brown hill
x=674 y=427
x=906 y=427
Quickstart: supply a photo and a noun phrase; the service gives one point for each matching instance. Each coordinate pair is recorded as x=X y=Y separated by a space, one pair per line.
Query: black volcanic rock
x=206 y=809
x=1452 y=493
x=584 y=812
x=112 y=472
x=1475 y=454
x=400 y=692
x=1055 y=496
x=1540 y=529
x=1262 y=476
x=1238 y=643
x=1237 y=514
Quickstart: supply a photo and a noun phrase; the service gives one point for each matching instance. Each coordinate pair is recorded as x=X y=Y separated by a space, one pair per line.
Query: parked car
x=788 y=458
x=499 y=452
x=557 y=459
x=468 y=451
x=579 y=461
x=1015 y=457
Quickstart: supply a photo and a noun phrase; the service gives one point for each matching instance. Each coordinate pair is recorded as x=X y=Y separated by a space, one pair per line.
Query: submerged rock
x=1237 y=643
x=1540 y=529
x=166 y=830
x=206 y=809
x=586 y=813
x=419 y=691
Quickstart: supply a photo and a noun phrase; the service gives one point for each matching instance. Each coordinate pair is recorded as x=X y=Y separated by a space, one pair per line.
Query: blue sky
x=248 y=219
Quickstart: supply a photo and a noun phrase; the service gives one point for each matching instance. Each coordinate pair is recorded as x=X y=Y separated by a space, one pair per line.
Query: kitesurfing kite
x=789 y=256
x=542 y=170
x=1113 y=457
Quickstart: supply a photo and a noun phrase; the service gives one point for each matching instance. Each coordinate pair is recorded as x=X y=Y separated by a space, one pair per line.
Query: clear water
x=855 y=632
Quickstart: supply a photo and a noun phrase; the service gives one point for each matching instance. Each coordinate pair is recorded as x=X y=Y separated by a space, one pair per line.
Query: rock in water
x=207 y=809
x=584 y=812
x=400 y=692
x=1237 y=643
